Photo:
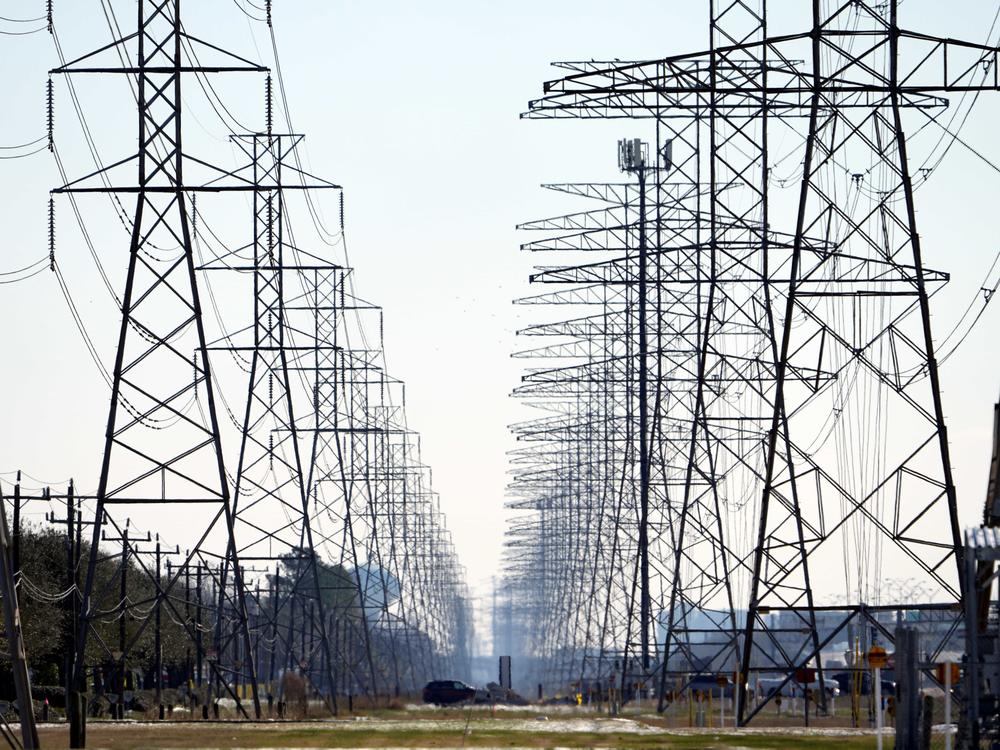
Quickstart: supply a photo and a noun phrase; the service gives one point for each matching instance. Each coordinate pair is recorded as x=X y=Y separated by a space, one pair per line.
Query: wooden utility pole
x=15 y=552
x=122 y=624
x=159 y=555
x=199 y=633
x=157 y=634
x=275 y=593
x=130 y=548
x=75 y=693
x=12 y=624
x=69 y=642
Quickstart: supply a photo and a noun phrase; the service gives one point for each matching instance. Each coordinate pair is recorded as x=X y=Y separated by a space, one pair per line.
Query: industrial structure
x=732 y=379
x=250 y=396
x=741 y=388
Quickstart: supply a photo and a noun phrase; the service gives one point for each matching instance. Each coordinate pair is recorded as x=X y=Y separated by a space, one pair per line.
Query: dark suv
x=844 y=679
x=445 y=692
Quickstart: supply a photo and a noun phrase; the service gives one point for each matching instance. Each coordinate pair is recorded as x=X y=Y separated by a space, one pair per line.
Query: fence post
x=907 y=688
x=926 y=721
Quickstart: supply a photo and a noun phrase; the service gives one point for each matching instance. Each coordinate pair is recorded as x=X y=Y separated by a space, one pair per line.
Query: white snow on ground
x=543 y=724
x=484 y=724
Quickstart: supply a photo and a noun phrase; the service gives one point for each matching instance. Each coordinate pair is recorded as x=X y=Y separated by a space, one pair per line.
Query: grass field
x=445 y=729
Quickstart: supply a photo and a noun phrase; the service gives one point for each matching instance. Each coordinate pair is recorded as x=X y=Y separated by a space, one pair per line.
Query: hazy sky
x=413 y=107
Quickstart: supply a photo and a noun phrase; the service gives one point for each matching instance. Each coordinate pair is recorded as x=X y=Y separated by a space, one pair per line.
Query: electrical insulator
x=270 y=229
x=48 y=14
x=269 y=102
x=52 y=234
x=50 y=112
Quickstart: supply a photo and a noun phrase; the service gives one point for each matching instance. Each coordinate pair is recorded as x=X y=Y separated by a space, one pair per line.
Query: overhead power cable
x=22 y=156
x=22 y=145
x=22 y=20
x=42 y=260
x=22 y=33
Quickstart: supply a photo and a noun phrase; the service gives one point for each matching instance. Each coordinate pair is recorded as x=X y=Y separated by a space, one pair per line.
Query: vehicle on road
x=708 y=684
x=768 y=686
x=448 y=692
x=846 y=682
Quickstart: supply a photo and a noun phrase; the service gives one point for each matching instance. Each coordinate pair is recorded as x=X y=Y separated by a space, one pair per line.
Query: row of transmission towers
x=314 y=543
x=739 y=432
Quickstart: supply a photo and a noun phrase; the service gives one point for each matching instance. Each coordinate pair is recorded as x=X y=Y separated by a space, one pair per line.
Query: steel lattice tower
x=271 y=483
x=328 y=483
x=155 y=452
x=810 y=400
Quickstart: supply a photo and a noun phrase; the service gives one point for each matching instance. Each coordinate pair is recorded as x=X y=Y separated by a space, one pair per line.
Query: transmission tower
x=323 y=550
x=271 y=484
x=157 y=453
x=813 y=409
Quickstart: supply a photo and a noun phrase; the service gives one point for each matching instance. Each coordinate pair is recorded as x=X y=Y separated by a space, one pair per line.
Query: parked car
x=844 y=680
x=708 y=683
x=447 y=692
x=769 y=686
